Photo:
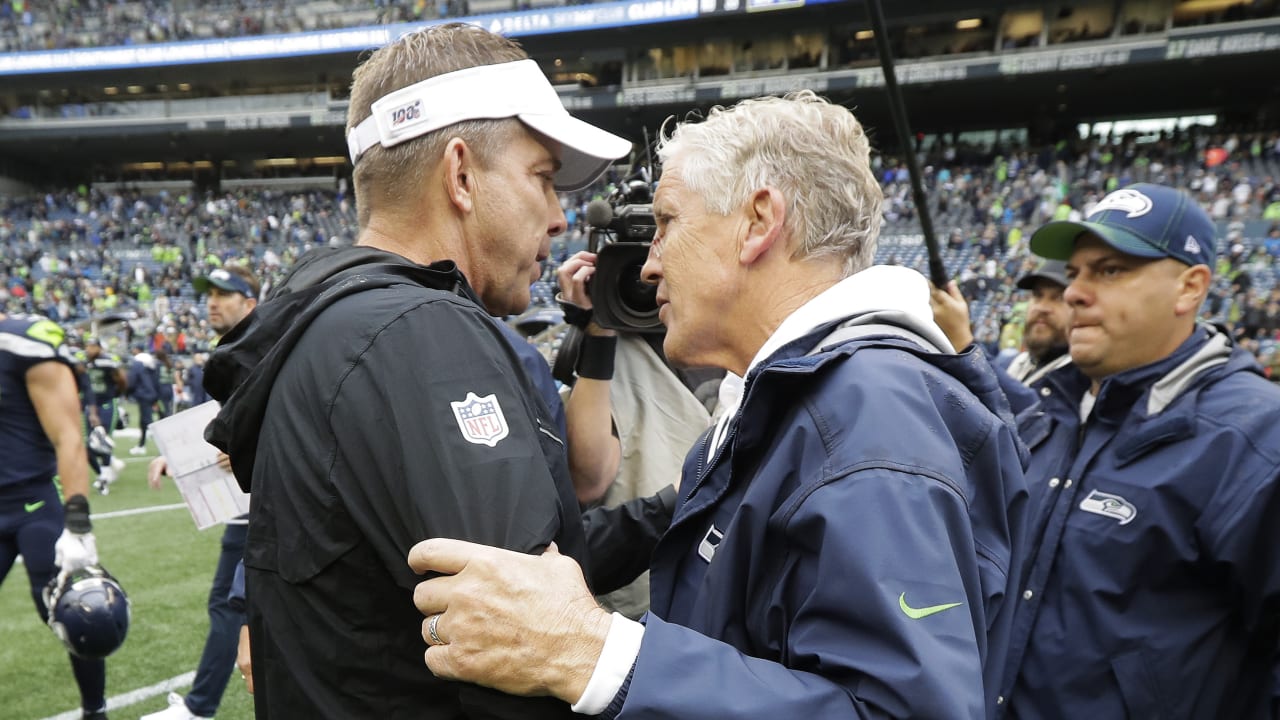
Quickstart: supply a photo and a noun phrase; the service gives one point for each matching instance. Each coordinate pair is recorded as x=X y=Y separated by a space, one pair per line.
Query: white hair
x=817 y=154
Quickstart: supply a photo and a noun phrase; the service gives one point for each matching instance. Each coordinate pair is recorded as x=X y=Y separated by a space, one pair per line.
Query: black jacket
x=374 y=404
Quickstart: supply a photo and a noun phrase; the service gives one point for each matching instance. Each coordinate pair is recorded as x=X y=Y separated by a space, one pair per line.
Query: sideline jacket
x=1153 y=588
x=377 y=405
x=144 y=378
x=848 y=550
x=26 y=454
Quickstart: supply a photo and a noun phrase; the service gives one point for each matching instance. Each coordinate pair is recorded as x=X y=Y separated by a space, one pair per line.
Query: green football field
x=166 y=567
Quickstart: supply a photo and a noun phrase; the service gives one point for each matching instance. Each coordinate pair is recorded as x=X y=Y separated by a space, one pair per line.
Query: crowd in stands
x=94 y=252
x=59 y=24
x=64 y=24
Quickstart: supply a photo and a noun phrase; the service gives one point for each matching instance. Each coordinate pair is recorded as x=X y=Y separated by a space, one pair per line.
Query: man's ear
x=1193 y=288
x=459 y=182
x=766 y=211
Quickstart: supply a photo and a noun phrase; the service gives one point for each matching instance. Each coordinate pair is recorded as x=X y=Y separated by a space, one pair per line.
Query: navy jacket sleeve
x=881 y=618
x=621 y=538
x=1240 y=532
x=1020 y=396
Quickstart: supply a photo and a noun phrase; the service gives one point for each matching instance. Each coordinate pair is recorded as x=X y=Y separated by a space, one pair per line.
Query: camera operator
x=631 y=418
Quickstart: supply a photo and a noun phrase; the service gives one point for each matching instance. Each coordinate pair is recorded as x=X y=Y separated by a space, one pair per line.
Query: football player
x=40 y=441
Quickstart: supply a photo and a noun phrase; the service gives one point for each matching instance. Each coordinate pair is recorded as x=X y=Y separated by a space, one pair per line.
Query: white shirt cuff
x=621 y=647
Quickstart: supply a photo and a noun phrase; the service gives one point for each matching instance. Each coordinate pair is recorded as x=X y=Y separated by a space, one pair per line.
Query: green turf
x=165 y=565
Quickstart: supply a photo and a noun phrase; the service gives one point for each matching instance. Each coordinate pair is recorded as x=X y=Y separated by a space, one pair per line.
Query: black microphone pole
x=937 y=271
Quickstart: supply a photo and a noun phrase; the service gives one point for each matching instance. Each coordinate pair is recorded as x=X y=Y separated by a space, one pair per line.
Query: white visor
x=514 y=89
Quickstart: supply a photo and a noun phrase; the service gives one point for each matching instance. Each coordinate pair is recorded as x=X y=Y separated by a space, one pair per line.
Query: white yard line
x=137 y=511
x=132 y=511
x=135 y=696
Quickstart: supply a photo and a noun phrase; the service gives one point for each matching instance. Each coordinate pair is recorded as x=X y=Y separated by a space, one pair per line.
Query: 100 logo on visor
x=406 y=113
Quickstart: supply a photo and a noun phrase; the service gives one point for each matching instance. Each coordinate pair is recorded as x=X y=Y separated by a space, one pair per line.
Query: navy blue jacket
x=195 y=385
x=850 y=549
x=144 y=380
x=1154 y=584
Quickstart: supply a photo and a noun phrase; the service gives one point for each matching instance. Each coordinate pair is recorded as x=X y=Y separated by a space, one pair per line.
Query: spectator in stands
x=826 y=561
x=1152 y=588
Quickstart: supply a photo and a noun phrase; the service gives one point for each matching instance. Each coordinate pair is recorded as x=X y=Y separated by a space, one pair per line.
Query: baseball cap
x=225 y=280
x=1055 y=271
x=1146 y=220
x=513 y=89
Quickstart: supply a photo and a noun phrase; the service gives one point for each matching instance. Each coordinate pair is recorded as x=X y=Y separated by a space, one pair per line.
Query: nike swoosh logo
x=32 y=507
x=924 y=612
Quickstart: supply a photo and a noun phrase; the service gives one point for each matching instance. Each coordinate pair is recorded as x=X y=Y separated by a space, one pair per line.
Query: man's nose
x=651 y=271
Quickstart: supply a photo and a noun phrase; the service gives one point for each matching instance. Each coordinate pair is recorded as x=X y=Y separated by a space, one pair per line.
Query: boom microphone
x=599 y=214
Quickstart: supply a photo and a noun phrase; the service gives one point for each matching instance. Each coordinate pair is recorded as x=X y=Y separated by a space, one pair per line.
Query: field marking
x=136 y=511
x=126 y=513
x=135 y=696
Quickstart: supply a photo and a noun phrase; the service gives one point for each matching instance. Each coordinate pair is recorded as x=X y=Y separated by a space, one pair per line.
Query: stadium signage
x=772 y=85
x=185 y=53
x=1234 y=38
x=661 y=95
x=916 y=73
x=531 y=22
x=250 y=122
x=1262 y=41
x=1064 y=60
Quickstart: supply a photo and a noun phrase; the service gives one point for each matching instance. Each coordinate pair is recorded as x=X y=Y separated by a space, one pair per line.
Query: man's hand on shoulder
x=523 y=624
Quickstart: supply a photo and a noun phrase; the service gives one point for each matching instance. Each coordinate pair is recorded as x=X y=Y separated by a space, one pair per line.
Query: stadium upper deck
x=216 y=108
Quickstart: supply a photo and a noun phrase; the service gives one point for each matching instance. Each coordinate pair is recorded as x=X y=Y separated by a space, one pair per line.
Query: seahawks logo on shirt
x=480 y=419
x=1108 y=505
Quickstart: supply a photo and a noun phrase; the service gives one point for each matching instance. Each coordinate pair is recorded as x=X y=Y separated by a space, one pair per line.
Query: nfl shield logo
x=480 y=419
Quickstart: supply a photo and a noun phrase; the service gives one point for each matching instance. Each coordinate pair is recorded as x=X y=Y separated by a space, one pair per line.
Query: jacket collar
x=900 y=291
x=1118 y=393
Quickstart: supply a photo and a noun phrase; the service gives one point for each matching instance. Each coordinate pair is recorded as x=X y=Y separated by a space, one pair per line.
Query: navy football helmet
x=88 y=611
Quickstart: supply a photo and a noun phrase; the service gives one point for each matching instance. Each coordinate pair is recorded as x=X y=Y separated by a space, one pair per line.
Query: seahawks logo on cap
x=1131 y=202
